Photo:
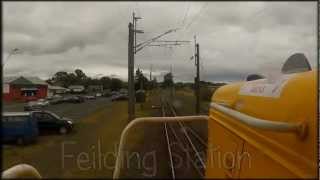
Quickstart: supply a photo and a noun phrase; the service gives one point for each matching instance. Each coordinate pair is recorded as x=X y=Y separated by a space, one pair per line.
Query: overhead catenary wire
x=185 y=24
x=146 y=43
x=197 y=15
x=164 y=45
x=157 y=37
x=185 y=15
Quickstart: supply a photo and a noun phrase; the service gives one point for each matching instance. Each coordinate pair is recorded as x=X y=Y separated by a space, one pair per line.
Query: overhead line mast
x=133 y=48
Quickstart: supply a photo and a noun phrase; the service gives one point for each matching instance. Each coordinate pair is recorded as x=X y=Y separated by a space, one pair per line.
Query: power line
x=165 y=44
x=197 y=15
x=258 y=13
x=170 y=41
x=146 y=43
x=185 y=15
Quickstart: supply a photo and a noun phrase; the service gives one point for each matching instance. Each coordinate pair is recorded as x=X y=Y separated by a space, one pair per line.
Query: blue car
x=20 y=127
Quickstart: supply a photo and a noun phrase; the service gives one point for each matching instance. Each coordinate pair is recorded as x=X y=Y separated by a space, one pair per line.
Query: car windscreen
x=55 y=115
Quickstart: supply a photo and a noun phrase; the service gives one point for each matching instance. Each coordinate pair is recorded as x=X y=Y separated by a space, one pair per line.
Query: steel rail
x=278 y=126
x=151 y=120
x=169 y=146
x=193 y=132
x=184 y=149
x=196 y=135
x=181 y=144
x=188 y=138
x=170 y=152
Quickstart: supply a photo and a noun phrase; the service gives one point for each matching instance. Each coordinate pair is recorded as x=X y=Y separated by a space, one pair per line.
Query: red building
x=24 y=88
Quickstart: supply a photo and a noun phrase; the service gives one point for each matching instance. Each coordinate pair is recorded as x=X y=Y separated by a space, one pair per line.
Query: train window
x=296 y=63
x=252 y=77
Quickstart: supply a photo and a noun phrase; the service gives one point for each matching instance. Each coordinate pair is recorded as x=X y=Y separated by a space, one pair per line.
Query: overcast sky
x=236 y=38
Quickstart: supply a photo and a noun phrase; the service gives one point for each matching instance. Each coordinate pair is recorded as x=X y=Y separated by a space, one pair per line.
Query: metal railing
x=135 y=122
x=299 y=128
x=21 y=171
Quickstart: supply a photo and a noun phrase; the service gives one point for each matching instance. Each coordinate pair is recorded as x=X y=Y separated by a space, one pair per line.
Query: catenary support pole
x=198 y=80
x=131 y=99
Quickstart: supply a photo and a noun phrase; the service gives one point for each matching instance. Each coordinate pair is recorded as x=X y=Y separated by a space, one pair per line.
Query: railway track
x=186 y=148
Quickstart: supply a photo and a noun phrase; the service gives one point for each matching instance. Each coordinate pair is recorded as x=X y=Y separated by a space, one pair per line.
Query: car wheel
x=63 y=130
x=20 y=141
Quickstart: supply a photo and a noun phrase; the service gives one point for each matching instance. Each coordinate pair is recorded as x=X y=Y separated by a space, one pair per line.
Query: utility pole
x=131 y=99
x=197 y=78
x=171 y=89
x=134 y=31
x=150 y=73
x=131 y=52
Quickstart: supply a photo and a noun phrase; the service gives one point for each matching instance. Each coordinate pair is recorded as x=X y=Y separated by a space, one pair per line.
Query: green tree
x=60 y=78
x=140 y=80
x=105 y=82
x=80 y=74
x=153 y=84
x=116 y=84
x=65 y=79
x=167 y=80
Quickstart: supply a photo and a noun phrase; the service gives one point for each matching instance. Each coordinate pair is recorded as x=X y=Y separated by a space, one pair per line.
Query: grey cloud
x=236 y=38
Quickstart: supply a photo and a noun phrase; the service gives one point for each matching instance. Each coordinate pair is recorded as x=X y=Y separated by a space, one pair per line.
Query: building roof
x=56 y=87
x=95 y=86
x=76 y=87
x=8 y=79
x=36 y=80
x=24 y=80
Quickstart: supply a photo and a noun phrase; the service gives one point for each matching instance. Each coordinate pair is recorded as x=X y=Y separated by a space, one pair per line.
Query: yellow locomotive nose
x=264 y=128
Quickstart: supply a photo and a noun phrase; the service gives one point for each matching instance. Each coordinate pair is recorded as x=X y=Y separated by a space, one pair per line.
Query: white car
x=89 y=97
x=42 y=102
x=33 y=105
x=98 y=95
x=56 y=96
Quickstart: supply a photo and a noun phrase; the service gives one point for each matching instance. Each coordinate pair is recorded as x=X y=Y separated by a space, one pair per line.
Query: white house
x=52 y=90
x=76 y=88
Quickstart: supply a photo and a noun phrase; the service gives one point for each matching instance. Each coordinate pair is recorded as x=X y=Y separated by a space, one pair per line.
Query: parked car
x=80 y=99
x=35 y=105
x=56 y=101
x=114 y=93
x=49 y=98
x=89 y=97
x=56 y=96
x=65 y=99
x=74 y=99
x=20 y=127
x=49 y=121
x=43 y=102
x=119 y=97
x=123 y=91
x=106 y=94
x=98 y=95
x=53 y=97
